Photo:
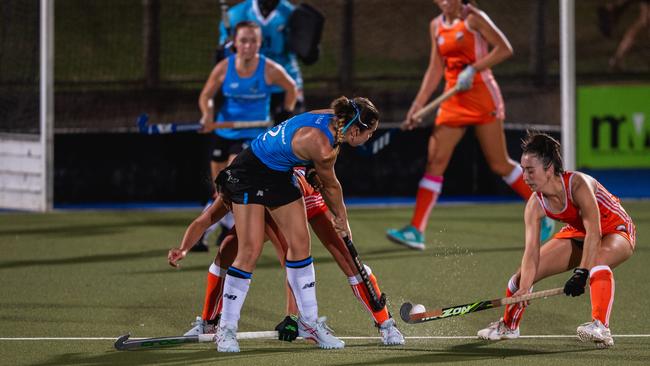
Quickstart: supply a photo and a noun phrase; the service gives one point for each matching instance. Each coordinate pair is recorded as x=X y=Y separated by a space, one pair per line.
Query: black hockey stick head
x=405 y=312
x=123 y=343
x=120 y=343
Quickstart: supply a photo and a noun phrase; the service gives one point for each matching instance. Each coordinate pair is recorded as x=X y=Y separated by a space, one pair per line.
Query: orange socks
x=513 y=313
x=213 y=289
x=601 y=284
x=516 y=181
x=361 y=293
x=428 y=192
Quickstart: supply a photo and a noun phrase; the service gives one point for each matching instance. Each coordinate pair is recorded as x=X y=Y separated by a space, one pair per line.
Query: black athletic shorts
x=221 y=148
x=248 y=180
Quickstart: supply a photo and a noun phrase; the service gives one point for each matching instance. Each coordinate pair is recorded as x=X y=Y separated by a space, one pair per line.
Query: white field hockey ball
x=418 y=308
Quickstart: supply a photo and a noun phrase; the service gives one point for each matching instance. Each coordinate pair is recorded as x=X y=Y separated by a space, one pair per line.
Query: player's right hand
x=409 y=122
x=174 y=256
x=342 y=226
x=208 y=127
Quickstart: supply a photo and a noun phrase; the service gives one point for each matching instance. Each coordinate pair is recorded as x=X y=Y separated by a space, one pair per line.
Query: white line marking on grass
x=361 y=338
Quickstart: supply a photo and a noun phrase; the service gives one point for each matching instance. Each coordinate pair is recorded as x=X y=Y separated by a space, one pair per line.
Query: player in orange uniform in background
x=460 y=40
x=598 y=236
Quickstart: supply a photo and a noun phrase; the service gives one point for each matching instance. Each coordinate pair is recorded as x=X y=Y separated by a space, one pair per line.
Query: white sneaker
x=597 y=332
x=320 y=333
x=497 y=331
x=226 y=339
x=390 y=335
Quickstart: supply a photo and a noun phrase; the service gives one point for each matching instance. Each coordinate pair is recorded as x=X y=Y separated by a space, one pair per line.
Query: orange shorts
x=620 y=227
x=479 y=105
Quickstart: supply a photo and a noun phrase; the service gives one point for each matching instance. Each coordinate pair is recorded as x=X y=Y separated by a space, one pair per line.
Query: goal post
x=26 y=157
x=568 y=82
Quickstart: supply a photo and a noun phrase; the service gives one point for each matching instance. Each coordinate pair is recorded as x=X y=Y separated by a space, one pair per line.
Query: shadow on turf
x=101 y=258
x=475 y=351
x=95 y=229
x=367 y=257
x=176 y=356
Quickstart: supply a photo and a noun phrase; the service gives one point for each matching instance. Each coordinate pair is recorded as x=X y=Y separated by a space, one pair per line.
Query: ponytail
x=348 y=112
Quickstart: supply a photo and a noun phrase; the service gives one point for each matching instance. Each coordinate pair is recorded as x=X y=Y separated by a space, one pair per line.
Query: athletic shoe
x=226 y=339
x=390 y=335
x=595 y=332
x=497 y=331
x=408 y=236
x=547 y=229
x=320 y=333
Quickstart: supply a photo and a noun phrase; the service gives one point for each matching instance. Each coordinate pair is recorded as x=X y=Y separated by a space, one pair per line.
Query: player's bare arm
x=312 y=144
x=582 y=189
x=430 y=81
x=277 y=75
x=530 y=260
x=501 y=48
x=214 y=82
x=211 y=215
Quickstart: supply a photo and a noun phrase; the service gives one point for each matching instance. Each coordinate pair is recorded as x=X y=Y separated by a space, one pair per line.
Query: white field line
x=412 y=337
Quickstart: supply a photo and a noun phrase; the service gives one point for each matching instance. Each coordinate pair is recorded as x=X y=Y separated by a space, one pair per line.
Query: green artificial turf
x=104 y=273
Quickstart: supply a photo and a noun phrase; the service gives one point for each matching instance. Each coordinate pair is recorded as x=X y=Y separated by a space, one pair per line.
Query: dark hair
x=546 y=148
x=346 y=111
x=245 y=24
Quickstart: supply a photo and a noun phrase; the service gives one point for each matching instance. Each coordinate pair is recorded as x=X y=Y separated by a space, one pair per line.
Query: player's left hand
x=466 y=78
x=175 y=255
x=288 y=328
x=575 y=286
x=520 y=292
x=342 y=226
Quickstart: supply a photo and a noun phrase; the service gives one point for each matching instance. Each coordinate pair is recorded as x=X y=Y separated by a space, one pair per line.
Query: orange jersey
x=613 y=218
x=459 y=46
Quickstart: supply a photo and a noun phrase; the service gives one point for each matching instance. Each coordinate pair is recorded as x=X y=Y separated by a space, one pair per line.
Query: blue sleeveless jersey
x=274 y=34
x=245 y=99
x=273 y=148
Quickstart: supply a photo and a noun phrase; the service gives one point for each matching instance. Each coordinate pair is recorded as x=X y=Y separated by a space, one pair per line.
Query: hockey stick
x=383 y=140
x=123 y=343
x=377 y=302
x=175 y=127
x=405 y=310
x=427 y=109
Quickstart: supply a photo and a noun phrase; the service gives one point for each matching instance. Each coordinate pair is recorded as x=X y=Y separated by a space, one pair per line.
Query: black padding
x=305 y=30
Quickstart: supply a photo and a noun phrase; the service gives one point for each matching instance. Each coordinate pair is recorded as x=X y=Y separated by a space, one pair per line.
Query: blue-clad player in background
x=273 y=17
x=246 y=79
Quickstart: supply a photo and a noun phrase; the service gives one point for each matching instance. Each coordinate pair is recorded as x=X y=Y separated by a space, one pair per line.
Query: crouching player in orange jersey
x=598 y=236
x=320 y=221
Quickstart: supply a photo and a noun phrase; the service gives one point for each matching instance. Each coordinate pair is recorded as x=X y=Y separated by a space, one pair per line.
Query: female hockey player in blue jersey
x=262 y=177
